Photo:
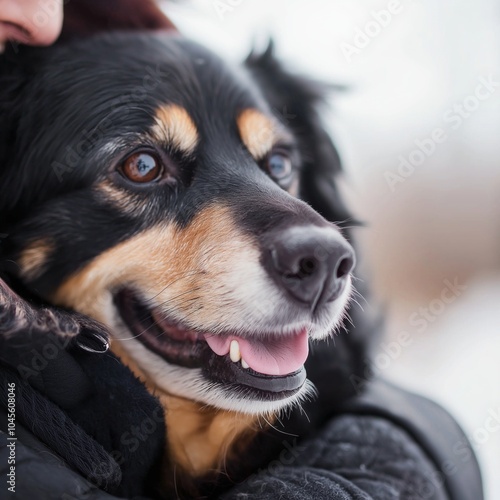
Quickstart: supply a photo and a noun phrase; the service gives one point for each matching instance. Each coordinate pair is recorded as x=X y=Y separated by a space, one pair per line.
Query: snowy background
x=413 y=68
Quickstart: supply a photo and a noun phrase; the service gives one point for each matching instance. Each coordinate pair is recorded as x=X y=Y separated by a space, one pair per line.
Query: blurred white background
x=413 y=67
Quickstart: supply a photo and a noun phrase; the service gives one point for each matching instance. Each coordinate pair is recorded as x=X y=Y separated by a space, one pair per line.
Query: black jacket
x=86 y=428
x=385 y=444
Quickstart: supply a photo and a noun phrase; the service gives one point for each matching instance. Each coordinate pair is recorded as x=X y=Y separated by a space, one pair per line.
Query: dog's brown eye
x=279 y=166
x=142 y=167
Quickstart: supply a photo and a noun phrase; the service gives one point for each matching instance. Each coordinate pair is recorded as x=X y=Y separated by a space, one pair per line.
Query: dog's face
x=155 y=189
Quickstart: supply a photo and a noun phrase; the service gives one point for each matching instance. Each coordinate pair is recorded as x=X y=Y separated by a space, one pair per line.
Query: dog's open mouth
x=269 y=367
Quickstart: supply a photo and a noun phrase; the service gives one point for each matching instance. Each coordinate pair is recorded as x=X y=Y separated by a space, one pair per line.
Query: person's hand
x=32 y=22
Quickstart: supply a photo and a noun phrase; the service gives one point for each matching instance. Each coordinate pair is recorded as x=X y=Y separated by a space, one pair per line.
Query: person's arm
x=353 y=457
x=384 y=443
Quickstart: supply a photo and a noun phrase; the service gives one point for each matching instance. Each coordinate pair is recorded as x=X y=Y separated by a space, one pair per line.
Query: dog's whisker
x=362 y=297
x=357 y=303
x=358 y=293
x=270 y=415
x=138 y=335
x=175 y=481
x=178 y=305
x=151 y=326
x=348 y=318
x=357 y=278
x=145 y=330
x=173 y=299
x=176 y=280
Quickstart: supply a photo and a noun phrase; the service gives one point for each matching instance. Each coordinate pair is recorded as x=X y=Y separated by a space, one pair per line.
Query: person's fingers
x=32 y=22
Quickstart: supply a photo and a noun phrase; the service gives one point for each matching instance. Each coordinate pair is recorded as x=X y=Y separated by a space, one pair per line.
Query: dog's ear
x=296 y=101
x=86 y=17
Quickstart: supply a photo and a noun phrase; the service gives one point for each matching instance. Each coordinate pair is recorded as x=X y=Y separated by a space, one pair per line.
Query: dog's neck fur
x=199 y=438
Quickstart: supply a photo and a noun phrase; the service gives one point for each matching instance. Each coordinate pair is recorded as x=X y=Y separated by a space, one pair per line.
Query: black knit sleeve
x=352 y=458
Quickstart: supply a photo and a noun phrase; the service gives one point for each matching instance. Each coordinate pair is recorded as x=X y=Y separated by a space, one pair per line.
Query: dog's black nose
x=311 y=263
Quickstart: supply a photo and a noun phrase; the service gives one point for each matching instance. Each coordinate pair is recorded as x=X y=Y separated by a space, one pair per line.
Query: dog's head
x=177 y=200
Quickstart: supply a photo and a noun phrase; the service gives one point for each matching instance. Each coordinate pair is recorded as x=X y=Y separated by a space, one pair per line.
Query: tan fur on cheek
x=34 y=257
x=120 y=198
x=136 y=261
x=192 y=270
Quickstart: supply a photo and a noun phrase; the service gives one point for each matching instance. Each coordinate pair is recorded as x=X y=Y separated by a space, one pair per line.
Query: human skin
x=31 y=22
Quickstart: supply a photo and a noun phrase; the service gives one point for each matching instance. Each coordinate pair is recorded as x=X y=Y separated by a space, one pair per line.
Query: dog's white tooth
x=234 y=351
x=244 y=364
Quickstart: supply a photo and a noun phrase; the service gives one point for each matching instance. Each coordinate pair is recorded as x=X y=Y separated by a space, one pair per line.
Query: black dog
x=190 y=207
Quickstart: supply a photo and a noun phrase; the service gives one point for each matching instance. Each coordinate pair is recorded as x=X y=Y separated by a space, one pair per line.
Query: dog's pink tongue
x=276 y=356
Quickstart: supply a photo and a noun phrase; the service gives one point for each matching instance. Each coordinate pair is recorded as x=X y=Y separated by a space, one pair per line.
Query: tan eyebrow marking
x=174 y=126
x=258 y=132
